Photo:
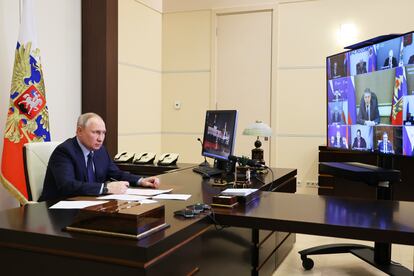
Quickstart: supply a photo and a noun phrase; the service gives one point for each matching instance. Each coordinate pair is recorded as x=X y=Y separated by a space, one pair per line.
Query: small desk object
x=382 y=179
x=120 y=219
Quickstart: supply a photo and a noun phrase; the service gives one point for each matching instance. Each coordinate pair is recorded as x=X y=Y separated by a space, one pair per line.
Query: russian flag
x=27 y=116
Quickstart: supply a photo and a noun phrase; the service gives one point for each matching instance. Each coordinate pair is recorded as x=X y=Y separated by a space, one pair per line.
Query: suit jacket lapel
x=80 y=159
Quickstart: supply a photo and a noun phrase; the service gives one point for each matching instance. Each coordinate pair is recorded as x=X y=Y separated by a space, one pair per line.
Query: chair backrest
x=36 y=157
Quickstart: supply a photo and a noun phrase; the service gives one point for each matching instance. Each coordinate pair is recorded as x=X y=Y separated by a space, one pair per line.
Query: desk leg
x=382 y=253
x=255 y=252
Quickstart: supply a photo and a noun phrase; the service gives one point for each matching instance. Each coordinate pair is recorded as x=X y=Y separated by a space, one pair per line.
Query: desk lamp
x=258 y=129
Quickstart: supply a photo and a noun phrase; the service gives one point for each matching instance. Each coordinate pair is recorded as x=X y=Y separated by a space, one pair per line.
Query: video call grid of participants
x=370 y=95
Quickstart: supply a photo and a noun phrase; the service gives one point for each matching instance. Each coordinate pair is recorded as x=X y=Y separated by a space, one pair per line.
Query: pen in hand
x=116 y=186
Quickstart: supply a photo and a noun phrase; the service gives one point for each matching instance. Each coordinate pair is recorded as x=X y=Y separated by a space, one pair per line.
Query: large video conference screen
x=370 y=98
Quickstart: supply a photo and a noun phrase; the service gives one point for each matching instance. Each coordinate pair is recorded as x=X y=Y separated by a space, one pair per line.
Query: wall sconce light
x=347 y=34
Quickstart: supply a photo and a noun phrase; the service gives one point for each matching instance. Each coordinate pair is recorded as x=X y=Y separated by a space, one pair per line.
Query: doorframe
x=273 y=68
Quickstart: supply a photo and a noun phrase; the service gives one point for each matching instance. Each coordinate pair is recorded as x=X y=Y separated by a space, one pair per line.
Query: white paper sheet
x=147 y=201
x=146 y=192
x=124 y=197
x=76 y=204
x=172 y=196
x=238 y=192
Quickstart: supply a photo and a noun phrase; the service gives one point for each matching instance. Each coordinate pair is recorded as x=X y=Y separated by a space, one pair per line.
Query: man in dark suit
x=337 y=117
x=337 y=70
x=339 y=142
x=385 y=145
x=359 y=141
x=82 y=166
x=368 y=109
x=390 y=61
x=361 y=67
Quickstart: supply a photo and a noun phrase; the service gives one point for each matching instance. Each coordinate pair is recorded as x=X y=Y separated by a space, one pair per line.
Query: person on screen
x=361 y=67
x=385 y=145
x=334 y=72
x=340 y=142
x=368 y=109
x=337 y=117
x=344 y=143
x=390 y=61
x=411 y=59
x=337 y=70
x=82 y=166
x=332 y=141
x=359 y=141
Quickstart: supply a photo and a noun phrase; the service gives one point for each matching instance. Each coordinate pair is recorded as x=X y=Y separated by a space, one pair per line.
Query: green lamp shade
x=259 y=129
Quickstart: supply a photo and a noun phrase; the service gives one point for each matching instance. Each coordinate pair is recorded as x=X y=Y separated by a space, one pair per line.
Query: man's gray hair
x=84 y=118
x=367 y=91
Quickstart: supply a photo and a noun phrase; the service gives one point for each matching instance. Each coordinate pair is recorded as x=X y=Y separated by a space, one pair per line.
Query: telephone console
x=168 y=159
x=144 y=158
x=193 y=210
x=124 y=157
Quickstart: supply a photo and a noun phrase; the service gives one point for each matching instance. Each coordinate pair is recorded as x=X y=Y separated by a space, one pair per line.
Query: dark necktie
x=89 y=168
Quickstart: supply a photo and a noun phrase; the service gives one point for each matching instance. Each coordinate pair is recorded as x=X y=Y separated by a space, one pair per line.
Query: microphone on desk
x=205 y=163
x=248 y=161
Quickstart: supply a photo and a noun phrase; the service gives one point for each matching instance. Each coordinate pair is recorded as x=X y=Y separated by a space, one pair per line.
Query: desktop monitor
x=219 y=134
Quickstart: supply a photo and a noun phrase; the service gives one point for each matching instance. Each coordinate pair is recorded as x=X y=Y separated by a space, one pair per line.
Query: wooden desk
x=383 y=180
x=381 y=221
x=32 y=237
x=363 y=219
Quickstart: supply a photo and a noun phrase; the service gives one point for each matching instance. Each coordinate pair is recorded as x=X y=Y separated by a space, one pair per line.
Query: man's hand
x=369 y=123
x=117 y=187
x=150 y=182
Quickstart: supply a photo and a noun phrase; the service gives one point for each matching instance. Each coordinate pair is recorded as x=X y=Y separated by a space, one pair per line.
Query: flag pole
x=20 y=11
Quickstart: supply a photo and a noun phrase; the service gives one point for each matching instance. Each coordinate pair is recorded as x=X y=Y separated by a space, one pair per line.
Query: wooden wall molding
x=100 y=64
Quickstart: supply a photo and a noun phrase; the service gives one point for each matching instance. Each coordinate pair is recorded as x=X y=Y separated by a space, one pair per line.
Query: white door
x=243 y=72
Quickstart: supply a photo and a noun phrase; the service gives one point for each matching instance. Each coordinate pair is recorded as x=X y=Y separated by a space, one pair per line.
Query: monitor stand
x=204 y=164
x=227 y=166
x=381 y=177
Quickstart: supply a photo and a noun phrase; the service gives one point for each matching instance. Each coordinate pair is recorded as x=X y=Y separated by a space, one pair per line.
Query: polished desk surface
x=153 y=168
x=372 y=220
x=366 y=173
x=40 y=229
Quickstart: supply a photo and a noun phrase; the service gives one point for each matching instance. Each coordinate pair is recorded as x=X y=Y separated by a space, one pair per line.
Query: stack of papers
x=172 y=196
x=238 y=192
x=76 y=204
x=136 y=194
x=124 y=197
x=146 y=192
